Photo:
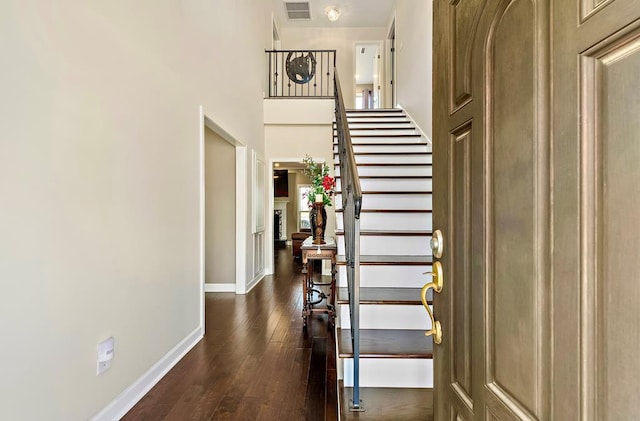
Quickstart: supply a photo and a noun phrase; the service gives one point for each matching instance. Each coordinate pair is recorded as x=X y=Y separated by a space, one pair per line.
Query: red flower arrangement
x=322 y=184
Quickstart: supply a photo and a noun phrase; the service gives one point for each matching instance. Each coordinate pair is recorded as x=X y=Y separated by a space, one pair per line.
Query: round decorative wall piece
x=301 y=69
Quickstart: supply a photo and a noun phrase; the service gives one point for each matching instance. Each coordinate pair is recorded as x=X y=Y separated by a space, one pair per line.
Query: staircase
x=396 y=359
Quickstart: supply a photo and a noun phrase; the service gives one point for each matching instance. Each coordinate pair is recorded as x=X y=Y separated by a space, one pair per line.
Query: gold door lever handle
x=436 y=284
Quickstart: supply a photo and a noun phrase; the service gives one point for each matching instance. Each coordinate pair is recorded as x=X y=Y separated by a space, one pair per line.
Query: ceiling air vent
x=298 y=10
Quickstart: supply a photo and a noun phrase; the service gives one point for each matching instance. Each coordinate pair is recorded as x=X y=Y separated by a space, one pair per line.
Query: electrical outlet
x=105 y=355
x=103 y=366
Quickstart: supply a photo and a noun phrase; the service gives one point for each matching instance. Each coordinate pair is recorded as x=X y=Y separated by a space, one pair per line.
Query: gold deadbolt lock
x=437 y=244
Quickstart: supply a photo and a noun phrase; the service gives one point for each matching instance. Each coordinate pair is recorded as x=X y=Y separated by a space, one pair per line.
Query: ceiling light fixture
x=333 y=14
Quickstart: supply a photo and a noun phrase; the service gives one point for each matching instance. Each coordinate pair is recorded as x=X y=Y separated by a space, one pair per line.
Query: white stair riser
x=384 y=221
x=390 y=245
x=355 y=123
x=389 y=139
x=376 y=118
x=417 y=147
x=392 y=201
x=390 y=159
x=376 y=276
x=387 y=317
x=373 y=114
x=421 y=170
x=355 y=132
x=390 y=372
x=392 y=184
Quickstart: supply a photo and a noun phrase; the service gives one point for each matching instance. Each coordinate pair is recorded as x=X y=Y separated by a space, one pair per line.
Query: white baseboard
x=136 y=391
x=219 y=287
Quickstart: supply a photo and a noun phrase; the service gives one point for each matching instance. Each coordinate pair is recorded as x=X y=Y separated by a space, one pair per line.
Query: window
x=303 y=206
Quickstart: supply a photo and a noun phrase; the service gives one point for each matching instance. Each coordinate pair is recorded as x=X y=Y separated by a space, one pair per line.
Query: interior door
x=537 y=194
x=377 y=79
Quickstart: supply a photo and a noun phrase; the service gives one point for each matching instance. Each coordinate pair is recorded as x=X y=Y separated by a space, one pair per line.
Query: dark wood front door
x=537 y=194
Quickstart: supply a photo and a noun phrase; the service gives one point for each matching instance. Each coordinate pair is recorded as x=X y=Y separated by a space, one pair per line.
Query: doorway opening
x=391 y=48
x=223 y=188
x=290 y=209
x=368 y=75
x=220 y=213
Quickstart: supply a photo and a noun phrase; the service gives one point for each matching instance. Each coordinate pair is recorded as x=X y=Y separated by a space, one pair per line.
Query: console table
x=321 y=252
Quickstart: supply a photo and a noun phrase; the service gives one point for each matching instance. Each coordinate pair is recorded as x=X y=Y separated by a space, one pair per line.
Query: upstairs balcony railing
x=301 y=73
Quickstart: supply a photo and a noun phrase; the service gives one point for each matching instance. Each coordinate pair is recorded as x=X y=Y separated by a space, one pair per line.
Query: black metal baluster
x=275 y=75
x=270 y=74
x=328 y=70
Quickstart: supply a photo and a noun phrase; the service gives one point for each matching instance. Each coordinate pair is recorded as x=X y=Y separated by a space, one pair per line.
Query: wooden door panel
x=456 y=416
x=489 y=416
x=464 y=17
x=537 y=189
x=609 y=11
x=460 y=345
x=457 y=22
x=511 y=262
x=611 y=211
x=516 y=211
x=596 y=206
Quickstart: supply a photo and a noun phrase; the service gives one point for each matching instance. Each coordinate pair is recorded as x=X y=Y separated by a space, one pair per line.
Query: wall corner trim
x=255 y=281
x=136 y=391
x=415 y=124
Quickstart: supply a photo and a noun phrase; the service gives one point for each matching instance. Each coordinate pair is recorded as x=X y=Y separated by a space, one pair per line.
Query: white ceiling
x=354 y=13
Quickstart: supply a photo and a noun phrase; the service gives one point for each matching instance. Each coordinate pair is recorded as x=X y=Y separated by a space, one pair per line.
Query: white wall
x=340 y=39
x=220 y=210
x=99 y=184
x=414 y=26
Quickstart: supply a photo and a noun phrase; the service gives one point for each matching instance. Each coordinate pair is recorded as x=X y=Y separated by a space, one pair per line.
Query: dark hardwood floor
x=255 y=362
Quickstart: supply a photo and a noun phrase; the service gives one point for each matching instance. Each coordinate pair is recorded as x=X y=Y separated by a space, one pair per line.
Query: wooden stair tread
x=387 y=144
x=386 y=296
x=393 y=192
x=398 y=404
x=388 y=164
x=374 y=110
x=391 y=211
x=395 y=233
x=380 y=127
x=399 y=177
x=386 y=135
x=386 y=343
x=354 y=118
x=393 y=153
x=376 y=120
x=400 y=260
